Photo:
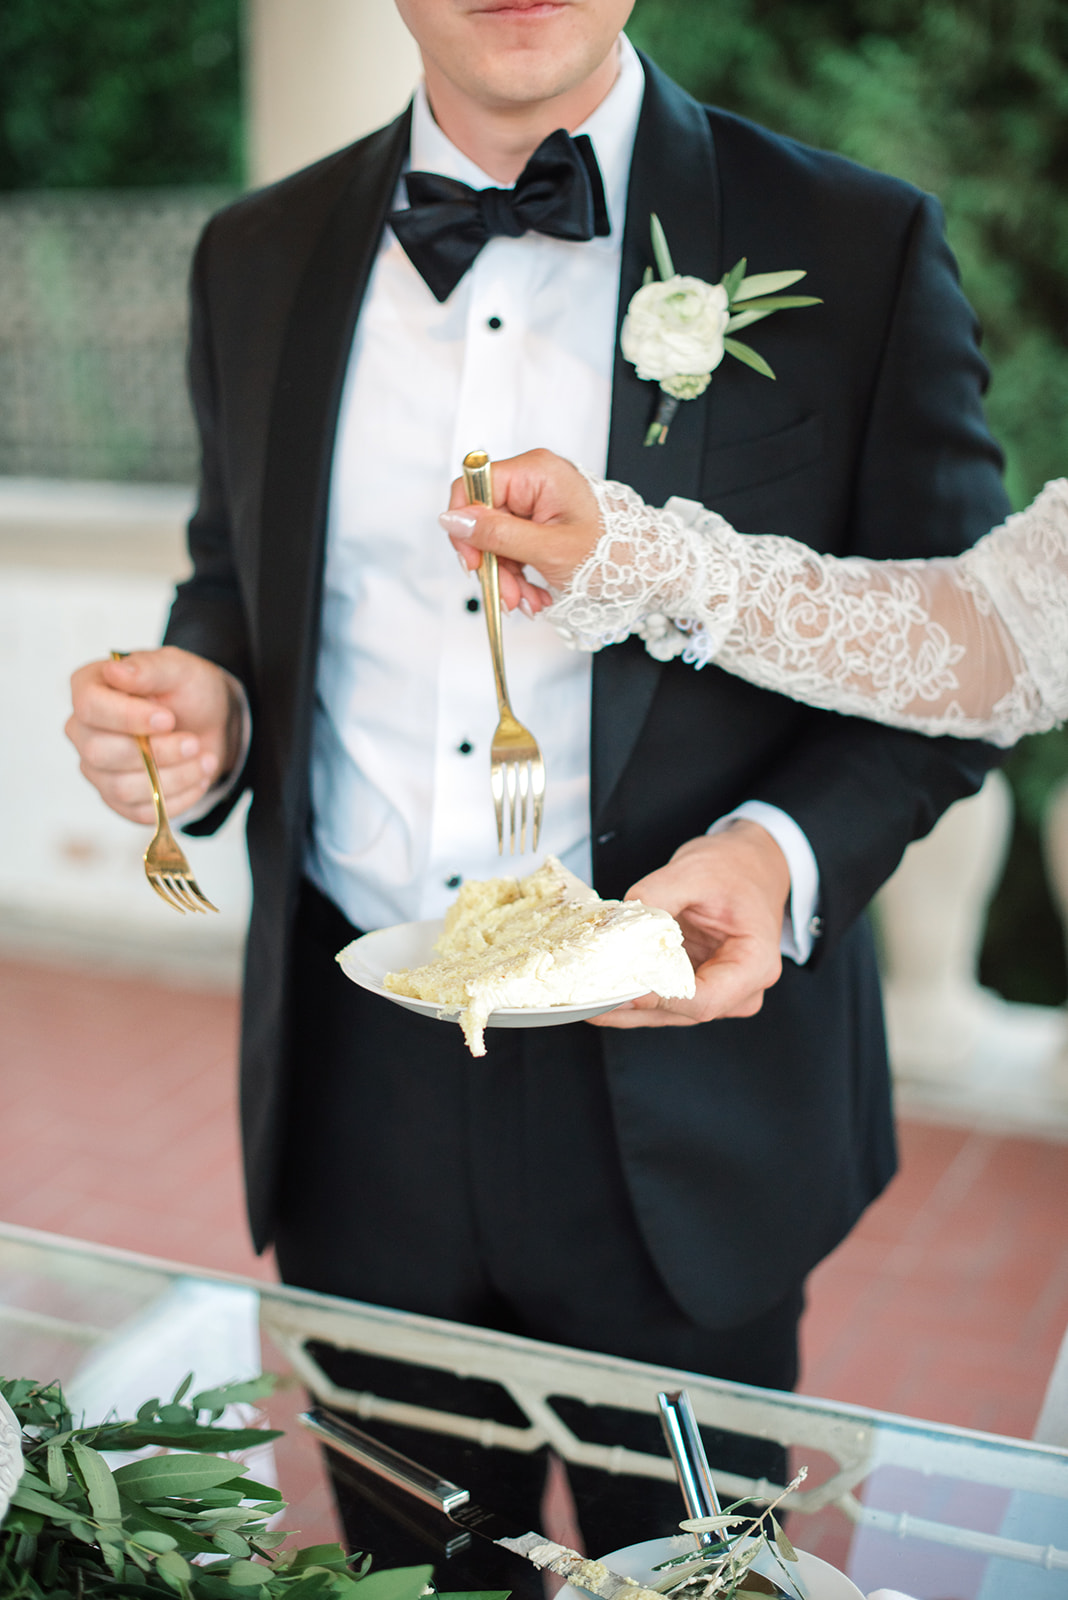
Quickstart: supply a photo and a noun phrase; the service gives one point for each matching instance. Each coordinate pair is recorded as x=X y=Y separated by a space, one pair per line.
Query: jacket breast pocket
x=750 y=464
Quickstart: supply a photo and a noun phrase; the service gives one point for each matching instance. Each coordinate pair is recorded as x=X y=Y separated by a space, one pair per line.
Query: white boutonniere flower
x=676 y=330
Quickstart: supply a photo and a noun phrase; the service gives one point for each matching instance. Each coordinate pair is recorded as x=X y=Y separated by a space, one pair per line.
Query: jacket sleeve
x=208 y=615
x=927 y=483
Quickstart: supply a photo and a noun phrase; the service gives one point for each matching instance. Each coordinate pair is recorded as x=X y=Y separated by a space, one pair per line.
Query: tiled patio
x=118 y=1105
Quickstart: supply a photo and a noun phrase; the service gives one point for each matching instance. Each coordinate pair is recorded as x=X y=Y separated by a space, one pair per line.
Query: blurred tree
x=968 y=99
x=965 y=98
x=119 y=93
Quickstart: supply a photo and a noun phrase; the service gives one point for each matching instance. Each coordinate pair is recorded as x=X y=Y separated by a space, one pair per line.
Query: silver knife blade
x=456 y=1504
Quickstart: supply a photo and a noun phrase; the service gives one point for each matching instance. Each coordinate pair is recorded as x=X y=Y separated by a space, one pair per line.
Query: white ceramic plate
x=638 y=1560
x=411 y=944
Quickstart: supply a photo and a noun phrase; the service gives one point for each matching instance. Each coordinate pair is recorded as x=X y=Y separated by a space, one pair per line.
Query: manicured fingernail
x=464 y=568
x=526 y=608
x=208 y=764
x=159 y=721
x=189 y=747
x=458 y=521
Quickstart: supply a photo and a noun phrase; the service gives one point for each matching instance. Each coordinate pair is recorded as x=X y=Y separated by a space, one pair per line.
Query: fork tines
x=522 y=783
x=179 y=891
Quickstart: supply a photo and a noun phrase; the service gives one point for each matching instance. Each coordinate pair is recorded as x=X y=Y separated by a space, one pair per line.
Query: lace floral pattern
x=976 y=646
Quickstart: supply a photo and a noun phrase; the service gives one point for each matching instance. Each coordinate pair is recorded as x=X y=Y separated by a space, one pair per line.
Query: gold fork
x=166 y=868
x=516 y=766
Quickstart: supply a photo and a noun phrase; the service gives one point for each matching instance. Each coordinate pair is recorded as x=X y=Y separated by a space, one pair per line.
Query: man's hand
x=189 y=706
x=729 y=893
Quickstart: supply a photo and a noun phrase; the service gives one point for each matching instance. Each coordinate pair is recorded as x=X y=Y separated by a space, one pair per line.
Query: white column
x=931 y=915
x=320 y=74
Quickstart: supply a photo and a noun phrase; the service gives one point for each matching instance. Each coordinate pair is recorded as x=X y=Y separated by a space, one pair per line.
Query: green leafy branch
x=723 y=1571
x=190 y=1523
x=750 y=299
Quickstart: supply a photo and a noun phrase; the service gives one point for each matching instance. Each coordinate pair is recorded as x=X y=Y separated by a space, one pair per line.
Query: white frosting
x=542 y=941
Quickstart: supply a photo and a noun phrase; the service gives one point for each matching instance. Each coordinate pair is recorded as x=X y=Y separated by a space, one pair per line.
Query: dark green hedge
x=114 y=94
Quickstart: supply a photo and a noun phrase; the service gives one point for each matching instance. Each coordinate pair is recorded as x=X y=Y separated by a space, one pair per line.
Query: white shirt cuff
x=219 y=791
x=800 y=925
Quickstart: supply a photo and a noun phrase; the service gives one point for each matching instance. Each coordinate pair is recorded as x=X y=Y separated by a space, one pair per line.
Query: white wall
x=85 y=568
x=320 y=74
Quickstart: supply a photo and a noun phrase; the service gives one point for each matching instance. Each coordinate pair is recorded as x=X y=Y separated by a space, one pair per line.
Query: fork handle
x=153 y=773
x=478 y=483
x=491 y=605
x=149 y=760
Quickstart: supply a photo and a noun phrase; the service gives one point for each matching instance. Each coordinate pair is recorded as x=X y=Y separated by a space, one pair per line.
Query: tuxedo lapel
x=303 y=422
x=674 y=174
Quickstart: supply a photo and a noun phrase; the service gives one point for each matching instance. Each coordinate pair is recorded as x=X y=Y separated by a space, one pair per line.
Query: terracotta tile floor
x=117 y=1098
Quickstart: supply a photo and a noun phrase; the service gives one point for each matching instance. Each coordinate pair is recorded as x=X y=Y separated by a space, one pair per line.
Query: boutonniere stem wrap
x=678 y=329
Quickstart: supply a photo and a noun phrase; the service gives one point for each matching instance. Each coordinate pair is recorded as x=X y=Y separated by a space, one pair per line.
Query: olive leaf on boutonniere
x=676 y=330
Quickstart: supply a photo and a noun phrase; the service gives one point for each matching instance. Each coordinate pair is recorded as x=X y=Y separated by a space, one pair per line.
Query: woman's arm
x=976 y=645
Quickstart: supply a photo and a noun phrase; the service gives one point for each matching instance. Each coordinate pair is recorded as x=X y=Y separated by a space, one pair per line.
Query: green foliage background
x=114 y=94
x=966 y=98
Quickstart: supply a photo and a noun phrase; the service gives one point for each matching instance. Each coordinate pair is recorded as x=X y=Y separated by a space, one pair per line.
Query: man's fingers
x=118 y=752
x=128 y=788
x=668 y=889
x=729 y=984
x=150 y=672
x=180 y=785
x=100 y=704
x=731 y=987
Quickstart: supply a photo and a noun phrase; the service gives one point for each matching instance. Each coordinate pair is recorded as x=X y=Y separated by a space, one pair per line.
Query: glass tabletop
x=560 y=1440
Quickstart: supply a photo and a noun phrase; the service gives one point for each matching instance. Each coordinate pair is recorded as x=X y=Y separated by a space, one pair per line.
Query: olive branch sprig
x=723 y=1571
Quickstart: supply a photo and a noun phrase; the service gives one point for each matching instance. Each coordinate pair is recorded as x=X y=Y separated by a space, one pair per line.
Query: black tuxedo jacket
x=750 y=1146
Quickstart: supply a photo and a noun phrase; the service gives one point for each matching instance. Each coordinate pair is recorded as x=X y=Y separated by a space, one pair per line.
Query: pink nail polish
x=458 y=522
x=526 y=608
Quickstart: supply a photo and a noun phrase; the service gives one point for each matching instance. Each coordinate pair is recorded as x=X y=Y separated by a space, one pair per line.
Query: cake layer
x=541 y=941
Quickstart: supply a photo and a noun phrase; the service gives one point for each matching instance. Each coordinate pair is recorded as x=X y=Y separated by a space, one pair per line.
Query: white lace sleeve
x=975 y=646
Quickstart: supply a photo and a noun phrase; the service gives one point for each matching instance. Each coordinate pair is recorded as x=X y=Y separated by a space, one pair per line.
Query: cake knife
x=687 y=1452
x=456 y=1504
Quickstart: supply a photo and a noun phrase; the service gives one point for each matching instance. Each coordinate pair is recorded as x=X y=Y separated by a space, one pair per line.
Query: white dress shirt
x=520 y=354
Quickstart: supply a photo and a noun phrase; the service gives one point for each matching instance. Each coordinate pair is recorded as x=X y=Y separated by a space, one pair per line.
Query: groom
x=657 y=1185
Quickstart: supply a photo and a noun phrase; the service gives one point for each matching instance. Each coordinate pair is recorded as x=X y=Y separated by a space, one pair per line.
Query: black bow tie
x=558 y=192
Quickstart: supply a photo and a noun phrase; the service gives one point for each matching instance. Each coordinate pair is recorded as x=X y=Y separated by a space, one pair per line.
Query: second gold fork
x=517 y=771
x=166 y=867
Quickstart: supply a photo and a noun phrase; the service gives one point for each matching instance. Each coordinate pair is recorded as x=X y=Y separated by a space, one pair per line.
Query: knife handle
x=688 y=1454
x=384 y=1462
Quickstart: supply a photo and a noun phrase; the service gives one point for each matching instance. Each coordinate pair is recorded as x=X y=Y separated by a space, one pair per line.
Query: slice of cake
x=541 y=941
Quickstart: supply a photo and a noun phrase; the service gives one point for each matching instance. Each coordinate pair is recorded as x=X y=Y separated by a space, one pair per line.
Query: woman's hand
x=544 y=516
